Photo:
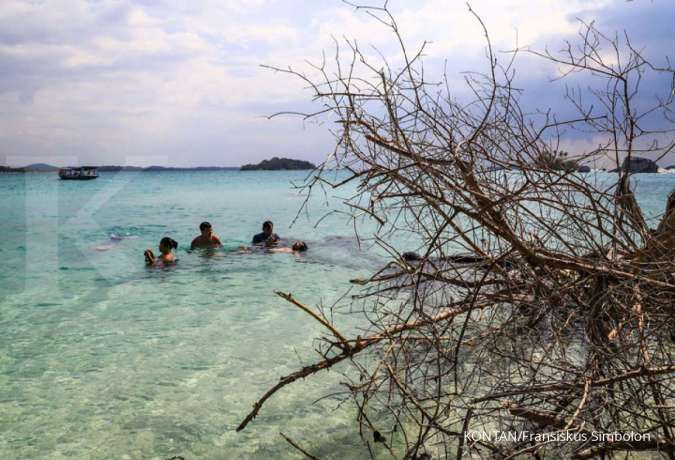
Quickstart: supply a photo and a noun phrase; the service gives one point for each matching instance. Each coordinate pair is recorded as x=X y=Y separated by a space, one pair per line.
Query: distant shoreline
x=6 y=170
x=275 y=164
x=52 y=169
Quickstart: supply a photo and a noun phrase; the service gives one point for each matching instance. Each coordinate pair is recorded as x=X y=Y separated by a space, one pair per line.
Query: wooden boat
x=81 y=173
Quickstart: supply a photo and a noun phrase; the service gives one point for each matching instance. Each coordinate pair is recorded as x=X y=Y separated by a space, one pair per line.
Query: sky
x=180 y=83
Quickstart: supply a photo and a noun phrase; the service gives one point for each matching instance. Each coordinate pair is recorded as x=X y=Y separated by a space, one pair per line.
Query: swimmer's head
x=205 y=228
x=268 y=227
x=166 y=244
x=299 y=246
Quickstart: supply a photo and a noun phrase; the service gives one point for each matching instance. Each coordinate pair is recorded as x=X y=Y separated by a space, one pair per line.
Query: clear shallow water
x=101 y=357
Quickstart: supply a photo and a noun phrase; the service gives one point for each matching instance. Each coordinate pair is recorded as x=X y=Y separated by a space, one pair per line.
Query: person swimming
x=113 y=241
x=267 y=236
x=207 y=239
x=298 y=246
x=166 y=257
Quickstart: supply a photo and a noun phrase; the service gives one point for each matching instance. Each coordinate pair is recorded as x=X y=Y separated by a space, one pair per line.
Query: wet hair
x=300 y=246
x=267 y=223
x=204 y=225
x=170 y=242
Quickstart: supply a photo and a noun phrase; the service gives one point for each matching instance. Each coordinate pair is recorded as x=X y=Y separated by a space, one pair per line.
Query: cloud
x=104 y=80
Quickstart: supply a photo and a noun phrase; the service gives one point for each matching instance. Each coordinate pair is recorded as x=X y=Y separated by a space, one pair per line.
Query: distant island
x=279 y=164
x=638 y=165
x=37 y=167
x=165 y=168
x=275 y=164
x=41 y=167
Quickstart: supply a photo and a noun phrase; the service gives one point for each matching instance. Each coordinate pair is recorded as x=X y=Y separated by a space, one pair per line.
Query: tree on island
x=561 y=322
x=559 y=160
x=279 y=164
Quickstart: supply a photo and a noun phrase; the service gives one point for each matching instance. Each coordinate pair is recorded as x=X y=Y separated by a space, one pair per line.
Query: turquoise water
x=101 y=357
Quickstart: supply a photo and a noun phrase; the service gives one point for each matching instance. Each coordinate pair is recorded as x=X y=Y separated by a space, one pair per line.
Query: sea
x=103 y=357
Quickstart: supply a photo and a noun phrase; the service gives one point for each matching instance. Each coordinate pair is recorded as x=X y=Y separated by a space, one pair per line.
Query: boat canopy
x=84 y=172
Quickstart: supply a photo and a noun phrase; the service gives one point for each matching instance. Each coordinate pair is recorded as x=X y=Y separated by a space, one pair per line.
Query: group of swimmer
x=207 y=239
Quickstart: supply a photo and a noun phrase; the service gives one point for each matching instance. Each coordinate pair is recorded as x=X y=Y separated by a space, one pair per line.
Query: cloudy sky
x=180 y=83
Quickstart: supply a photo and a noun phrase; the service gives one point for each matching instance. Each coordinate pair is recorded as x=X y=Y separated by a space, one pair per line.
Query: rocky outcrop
x=639 y=165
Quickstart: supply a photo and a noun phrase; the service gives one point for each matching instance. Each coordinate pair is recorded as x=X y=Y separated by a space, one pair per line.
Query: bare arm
x=149 y=257
x=284 y=250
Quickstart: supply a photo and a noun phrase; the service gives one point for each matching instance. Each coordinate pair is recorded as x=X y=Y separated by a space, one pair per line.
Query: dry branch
x=529 y=281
